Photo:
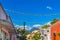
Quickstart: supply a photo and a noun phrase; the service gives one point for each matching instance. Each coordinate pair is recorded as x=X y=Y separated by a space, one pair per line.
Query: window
x=45 y=35
x=6 y=17
x=54 y=36
x=42 y=31
x=42 y=38
x=47 y=30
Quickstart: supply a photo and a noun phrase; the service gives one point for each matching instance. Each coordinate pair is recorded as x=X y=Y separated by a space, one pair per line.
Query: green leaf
x=54 y=21
x=45 y=26
x=59 y=34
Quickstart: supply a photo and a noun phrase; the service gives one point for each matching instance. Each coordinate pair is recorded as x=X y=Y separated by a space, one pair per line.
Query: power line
x=17 y=12
x=25 y=21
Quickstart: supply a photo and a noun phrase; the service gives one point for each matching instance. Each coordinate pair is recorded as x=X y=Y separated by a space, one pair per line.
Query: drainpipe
x=10 y=36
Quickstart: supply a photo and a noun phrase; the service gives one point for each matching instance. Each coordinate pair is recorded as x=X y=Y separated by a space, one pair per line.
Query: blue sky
x=32 y=7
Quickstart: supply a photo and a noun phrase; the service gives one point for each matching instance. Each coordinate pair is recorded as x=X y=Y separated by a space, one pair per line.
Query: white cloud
x=49 y=7
x=28 y=27
x=48 y=23
x=20 y=26
x=16 y=26
x=37 y=25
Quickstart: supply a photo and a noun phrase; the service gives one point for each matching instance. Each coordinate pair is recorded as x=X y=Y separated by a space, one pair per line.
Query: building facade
x=55 y=31
x=52 y=32
x=7 y=30
x=30 y=36
x=45 y=34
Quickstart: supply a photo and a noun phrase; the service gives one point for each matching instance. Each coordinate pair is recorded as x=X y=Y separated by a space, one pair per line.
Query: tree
x=59 y=34
x=19 y=30
x=37 y=36
x=26 y=33
x=45 y=26
x=54 y=21
x=22 y=33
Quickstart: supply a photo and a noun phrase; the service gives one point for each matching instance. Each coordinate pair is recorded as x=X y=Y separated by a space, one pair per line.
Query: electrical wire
x=17 y=12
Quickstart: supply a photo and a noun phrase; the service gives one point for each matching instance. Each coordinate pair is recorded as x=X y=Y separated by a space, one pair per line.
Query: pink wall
x=3 y=15
x=13 y=36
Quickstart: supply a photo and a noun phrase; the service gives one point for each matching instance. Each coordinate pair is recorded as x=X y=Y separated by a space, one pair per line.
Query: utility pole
x=24 y=25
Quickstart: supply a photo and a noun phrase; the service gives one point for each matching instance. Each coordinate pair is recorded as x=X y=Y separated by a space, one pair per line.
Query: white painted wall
x=47 y=33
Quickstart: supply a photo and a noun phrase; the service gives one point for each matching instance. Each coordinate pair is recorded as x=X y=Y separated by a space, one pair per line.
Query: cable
x=16 y=12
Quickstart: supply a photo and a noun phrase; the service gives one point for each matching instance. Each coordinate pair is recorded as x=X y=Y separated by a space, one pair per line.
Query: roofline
x=55 y=23
x=7 y=15
x=3 y=9
x=12 y=24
